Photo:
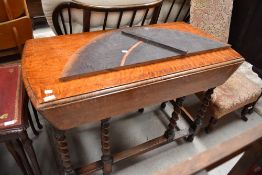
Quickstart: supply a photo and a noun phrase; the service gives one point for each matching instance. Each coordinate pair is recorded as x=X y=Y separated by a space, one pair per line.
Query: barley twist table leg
x=201 y=114
x=106 y=158
x=170 y=133
x=63 y=152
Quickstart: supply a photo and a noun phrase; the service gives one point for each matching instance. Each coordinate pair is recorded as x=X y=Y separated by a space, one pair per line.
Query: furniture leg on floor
x=170 y=132
x=28 y=148
x=106 y=158
x=210 y=125
x=201 y=114
x=14 y=117
x=63 y=151
x=14 y=147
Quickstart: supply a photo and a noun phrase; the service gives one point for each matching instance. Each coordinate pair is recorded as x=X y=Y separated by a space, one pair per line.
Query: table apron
x=75 y=113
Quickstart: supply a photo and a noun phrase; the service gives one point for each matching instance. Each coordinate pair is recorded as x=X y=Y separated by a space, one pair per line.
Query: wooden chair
x=64 y=11
x=174 y=10
x=14 y=115
x=14 y=34
x=15 y=27
x=10 y=9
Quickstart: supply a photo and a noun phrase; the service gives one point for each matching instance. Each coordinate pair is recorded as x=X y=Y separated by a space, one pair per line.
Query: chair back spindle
x=178 y=10
x=62 y=15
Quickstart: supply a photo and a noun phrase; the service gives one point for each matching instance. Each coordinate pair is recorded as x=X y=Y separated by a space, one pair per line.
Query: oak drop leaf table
x=68 y=104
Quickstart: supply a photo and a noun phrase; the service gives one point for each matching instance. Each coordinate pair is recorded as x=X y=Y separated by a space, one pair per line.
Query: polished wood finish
x=14 y=33
x=72 y=103
x=199 y=73
x=216 y=155
x=15 y=27
x=10 y=9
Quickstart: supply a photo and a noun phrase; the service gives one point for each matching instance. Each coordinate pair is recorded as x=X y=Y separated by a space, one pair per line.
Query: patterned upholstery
x=212 y=16
x=10 y=83
x=240 y=89
x=235 y=93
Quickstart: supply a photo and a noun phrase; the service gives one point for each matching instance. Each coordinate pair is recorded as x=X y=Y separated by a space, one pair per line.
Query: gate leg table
x=67 y=104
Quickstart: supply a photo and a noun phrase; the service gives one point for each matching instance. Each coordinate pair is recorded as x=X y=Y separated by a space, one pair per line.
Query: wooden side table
x=14 y=113
x=69 y=104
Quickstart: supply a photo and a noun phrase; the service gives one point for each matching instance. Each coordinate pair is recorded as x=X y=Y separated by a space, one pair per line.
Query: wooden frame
x=118 y=92
x=185 y=17
x=172 y=133
x=16 y=29
x=87 y=9
x=16 y=137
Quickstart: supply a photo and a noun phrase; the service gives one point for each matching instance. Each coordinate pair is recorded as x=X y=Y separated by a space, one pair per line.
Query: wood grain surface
x=75 y=102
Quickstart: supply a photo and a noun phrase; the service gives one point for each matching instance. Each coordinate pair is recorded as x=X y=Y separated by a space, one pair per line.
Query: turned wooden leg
x=244 y=112
x=16 y=149
x=211 y=124
x=141 y=110
x=252 y=105
x=63 y=152
x=106 y=158
x=29 y=150
x=39 y=125
x=163 y=105
x=170 y=132
x=201 y=114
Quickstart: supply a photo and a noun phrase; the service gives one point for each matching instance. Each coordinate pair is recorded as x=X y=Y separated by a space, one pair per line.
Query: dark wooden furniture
x=36 y=13
x=13 y=119
x=35 y=8
x=58 y=16
x=72 y=103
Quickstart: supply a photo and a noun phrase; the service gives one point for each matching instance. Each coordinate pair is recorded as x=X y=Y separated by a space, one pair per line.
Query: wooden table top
x=44 y=59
